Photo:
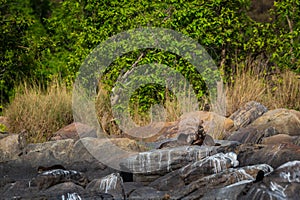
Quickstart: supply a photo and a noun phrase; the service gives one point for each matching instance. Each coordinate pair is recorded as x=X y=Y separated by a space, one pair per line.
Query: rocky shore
x=253 y=154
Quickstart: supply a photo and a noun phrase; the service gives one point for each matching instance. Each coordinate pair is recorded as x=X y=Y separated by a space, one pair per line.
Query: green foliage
x=45 y=39
x=287 y=34
x=3 y=128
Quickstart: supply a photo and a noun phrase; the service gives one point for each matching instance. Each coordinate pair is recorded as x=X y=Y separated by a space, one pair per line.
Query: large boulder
x=9 y=148
x=48 y=153
x=283 y=120
x=279 y=139
x=274 y=155
x=74 y=131
x=155 y=131
x=112 y=184
x=18 y=190
x=247 y=114
x=97 y=157
x=53 y=177
x=215 y=125
x=282 y=183
x=273 y=122
x=162 y=161
x=148 y=166
x=191 y=172
x=148 y=193
x=252 y=135
x=195 y=190
x=66 y=190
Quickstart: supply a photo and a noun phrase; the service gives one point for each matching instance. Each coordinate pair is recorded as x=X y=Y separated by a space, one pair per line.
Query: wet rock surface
x=201 y=156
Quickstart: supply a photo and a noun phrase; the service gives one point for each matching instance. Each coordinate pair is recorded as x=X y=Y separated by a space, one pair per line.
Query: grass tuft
x=277 y=90
x=39 y=112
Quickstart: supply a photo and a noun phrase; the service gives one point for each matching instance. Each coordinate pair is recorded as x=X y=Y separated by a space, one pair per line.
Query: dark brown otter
x=260 y=176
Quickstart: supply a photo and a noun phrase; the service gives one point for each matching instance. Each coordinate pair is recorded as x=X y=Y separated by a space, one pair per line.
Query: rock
x=191 y=135
x=63 y=189
x=170 y=143
x=95 y=144
x=85 y=195
x=247 y=114
x=129 y=187
x=50 y=178
x=48 y=153
x=18 y=189
x=54 y=153
x=274 y=155
x=82 y=160
x=155 y=131
x=9 y=148
x=67 y=191
x=252 y=135
x=279 y=139
x=13 y=170
x=148 y=166
x=112 y=184
x=148 y=193
x=274 y=122
x=272 y=191
x=212 y=123
x=108 y=151
x=282 y=183
x=289 y=172
x=284 y=121
x=199 y=138
x=191 y=172
x=228 y=192
x=208 y=141
x=162 y=161
x=226 y=146
x=194 y=190
x=74 y=131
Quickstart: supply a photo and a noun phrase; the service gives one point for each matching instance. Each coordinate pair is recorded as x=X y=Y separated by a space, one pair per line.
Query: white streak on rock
x=169 y=160
x=290 y=164
x=56 y=172
x=239 y=183
x=159 y=160
x=277 y=190
x=109 y=182
x=71 y=196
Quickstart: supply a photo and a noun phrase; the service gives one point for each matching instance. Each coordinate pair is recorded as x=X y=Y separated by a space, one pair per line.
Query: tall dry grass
x=277 y=90
x=39 y=112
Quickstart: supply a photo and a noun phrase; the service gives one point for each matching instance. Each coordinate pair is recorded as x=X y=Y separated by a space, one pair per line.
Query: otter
x=260 y=176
